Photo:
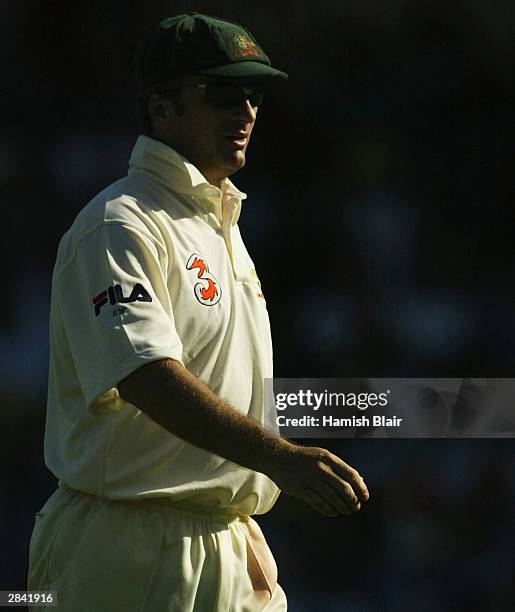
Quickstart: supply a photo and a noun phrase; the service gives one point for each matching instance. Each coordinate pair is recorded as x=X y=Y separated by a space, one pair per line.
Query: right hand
x=319 y=478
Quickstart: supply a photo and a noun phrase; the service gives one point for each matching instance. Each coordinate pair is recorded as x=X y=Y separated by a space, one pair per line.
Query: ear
x=159 y=109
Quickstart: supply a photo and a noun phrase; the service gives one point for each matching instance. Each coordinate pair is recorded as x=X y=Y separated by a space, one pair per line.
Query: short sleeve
x=116 y=309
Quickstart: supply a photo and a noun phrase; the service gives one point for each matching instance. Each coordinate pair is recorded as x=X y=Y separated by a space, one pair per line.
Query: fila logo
x=115 y=294
x=208 y=292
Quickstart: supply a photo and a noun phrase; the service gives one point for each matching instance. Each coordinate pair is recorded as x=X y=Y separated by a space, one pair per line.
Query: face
x=213 y=137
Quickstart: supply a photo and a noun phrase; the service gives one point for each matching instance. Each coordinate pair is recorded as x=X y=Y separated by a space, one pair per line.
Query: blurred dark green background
x=380 y=187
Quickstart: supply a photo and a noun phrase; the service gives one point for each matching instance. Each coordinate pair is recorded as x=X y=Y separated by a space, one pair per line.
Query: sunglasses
x=227 y=95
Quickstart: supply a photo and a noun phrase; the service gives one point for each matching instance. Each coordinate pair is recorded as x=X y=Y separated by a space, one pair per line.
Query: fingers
x=341 y=489
x=328 y=484
x=347 y=473
x=313 y=499
x=336 y=496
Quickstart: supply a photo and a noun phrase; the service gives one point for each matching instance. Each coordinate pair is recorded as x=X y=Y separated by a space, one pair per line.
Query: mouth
x=239 y=140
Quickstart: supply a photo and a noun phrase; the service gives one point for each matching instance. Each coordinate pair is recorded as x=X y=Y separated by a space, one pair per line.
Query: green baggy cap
x=200 y=44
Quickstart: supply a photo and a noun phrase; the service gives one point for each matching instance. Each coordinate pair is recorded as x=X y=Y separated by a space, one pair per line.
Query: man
x=160 y=344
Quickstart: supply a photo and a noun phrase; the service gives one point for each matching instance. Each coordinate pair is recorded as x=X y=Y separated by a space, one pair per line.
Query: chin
x=236 y=161
x=240 y=159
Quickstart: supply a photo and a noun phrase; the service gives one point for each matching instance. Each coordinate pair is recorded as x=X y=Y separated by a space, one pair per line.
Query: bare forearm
x=186 y=407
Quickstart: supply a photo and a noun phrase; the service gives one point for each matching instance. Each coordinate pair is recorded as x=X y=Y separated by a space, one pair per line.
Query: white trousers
x=149 y=556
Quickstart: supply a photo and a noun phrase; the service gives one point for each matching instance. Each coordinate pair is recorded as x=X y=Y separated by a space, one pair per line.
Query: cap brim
x=243 y=70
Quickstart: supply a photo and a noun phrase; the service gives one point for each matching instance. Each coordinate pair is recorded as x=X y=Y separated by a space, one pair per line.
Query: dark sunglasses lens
x=256 y=97
x=222 y=96
x=228 y=96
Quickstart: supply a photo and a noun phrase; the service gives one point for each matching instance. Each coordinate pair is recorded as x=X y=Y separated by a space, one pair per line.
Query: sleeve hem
x=94 y=391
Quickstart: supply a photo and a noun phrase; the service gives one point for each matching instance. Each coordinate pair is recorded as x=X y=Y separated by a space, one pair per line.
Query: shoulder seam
x=103 y=223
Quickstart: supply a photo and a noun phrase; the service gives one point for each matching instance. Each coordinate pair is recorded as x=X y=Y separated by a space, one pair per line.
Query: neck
x=213 y=179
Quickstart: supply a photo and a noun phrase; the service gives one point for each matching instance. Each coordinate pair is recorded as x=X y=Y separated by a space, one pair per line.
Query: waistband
x=194 y=511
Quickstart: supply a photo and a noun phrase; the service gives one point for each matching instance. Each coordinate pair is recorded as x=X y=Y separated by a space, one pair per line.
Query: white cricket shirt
x=154 y=267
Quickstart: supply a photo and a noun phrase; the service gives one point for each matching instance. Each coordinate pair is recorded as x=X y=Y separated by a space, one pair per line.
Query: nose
x=246 y=112
x=251 y=110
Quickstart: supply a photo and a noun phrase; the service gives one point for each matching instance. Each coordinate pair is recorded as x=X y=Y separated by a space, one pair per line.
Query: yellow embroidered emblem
x=246 y=46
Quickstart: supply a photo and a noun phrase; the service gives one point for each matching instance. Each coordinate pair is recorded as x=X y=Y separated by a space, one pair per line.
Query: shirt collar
x=172 y=170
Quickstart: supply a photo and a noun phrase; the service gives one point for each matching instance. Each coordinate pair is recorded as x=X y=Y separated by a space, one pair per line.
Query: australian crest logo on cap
x=246 y=46
x=242 y=46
